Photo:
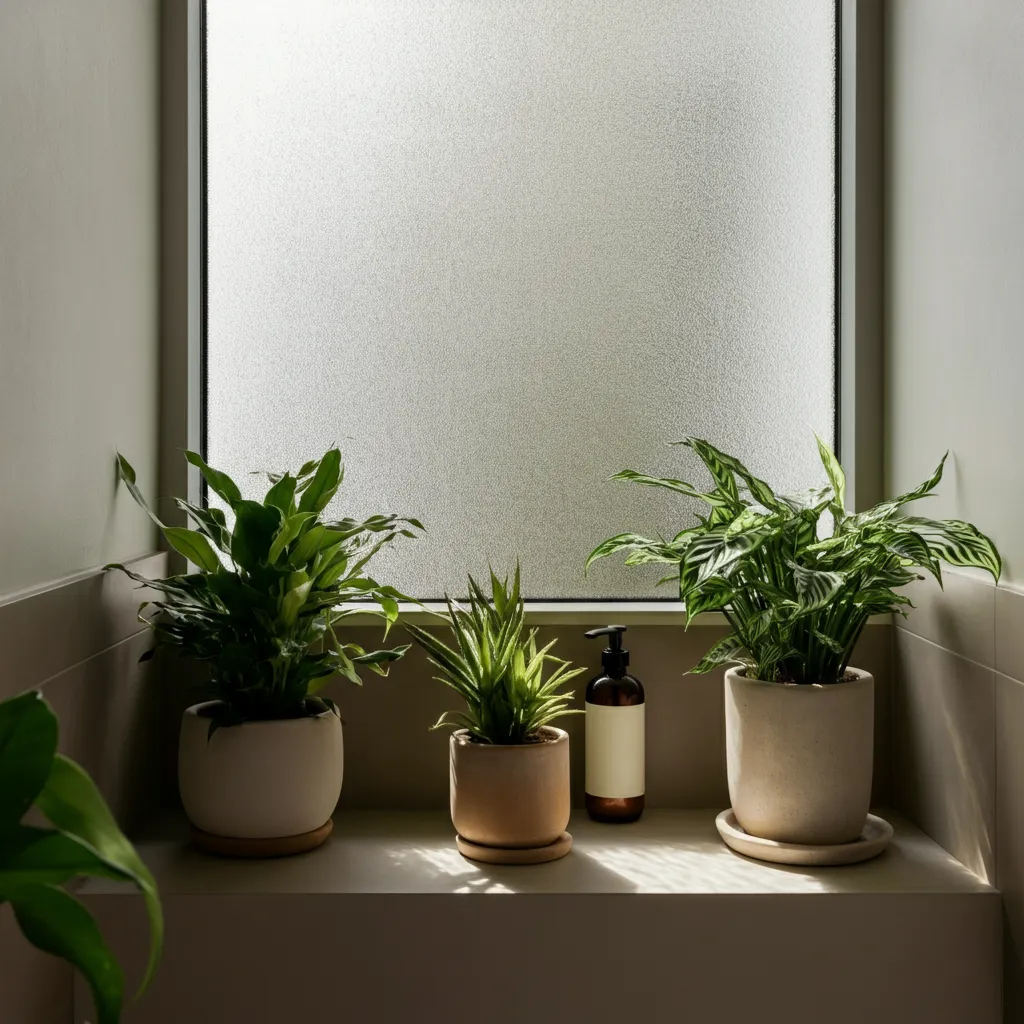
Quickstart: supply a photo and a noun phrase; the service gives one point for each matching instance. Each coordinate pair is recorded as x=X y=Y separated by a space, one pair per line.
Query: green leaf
x=295 y=598
x=288 y=531
x=768 y=658
x=55 y=922
x=307 y=548
x=924 y=489
x=723 y=467
x=710 y=596
x=679 y=486
x=913 y=548
x=256 y=527
x=378 y=661
x=73 y=804
x=622 y=542
x=390 y=608
x=958 y=543
x=194 y=546
x=815 y=588
x=836 y=476
x=332 y=571
x=282 y=494
x=715 y=551
x=37 y=856
x=830 y=642
x=28 y=742
x=728 y=651
x=211 y=521
x=127 y=475
x=758 y=624
x=319 y=491
x=717 y=464
x=220 y=483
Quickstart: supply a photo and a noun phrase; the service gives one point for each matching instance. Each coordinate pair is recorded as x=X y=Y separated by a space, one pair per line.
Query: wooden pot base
x=519 y=855
x=279 y=846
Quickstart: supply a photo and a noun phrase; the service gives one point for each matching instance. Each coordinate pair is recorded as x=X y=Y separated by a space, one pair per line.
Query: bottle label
x=615 y=751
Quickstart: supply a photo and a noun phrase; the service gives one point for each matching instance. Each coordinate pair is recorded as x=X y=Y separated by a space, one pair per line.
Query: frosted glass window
x=500 y=249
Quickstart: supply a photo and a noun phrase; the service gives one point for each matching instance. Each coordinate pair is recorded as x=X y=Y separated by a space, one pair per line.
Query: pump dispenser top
x=614 y=658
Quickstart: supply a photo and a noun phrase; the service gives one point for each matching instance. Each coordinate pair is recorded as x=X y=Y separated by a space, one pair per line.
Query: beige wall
x=78 y=280
x=955 y=365
x=955 y=257
x=78 y=379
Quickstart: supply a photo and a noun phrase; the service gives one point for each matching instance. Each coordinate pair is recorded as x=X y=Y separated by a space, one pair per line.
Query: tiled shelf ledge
x=650 y=922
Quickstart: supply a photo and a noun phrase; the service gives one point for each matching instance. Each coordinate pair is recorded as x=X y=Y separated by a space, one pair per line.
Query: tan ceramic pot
x=260 y=780
x=800 y=758
x=510 y=796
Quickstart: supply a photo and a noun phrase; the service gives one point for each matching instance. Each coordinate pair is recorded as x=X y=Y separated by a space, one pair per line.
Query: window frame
x=858 y=306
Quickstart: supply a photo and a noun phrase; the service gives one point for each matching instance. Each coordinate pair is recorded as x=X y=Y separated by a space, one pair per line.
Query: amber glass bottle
x=615 y=736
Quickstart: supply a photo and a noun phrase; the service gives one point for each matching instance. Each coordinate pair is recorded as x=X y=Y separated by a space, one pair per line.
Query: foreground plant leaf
x=86 y=842
x=71 y=802
x=55 y=922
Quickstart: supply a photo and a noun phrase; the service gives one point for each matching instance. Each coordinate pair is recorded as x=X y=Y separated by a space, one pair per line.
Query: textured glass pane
x=500 y=249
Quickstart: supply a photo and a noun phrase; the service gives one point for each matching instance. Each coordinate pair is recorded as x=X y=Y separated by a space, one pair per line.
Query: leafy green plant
x=497 y=668
x=270 y=587
x=796 y=599
x=35 y=863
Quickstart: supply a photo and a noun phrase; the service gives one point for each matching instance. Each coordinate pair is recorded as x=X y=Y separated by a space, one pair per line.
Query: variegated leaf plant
x=796 y=596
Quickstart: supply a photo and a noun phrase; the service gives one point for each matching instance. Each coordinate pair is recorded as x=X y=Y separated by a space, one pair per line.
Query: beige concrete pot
x=800 y=757
x=260 y=780
x=510 y=796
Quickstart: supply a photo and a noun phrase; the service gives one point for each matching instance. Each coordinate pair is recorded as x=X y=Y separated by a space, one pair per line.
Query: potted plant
x=798 y=577
x=260 y=765
x=36 y=863
x=509 y=766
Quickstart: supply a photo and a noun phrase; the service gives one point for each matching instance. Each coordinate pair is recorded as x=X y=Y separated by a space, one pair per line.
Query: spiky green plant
x=797 y=601
x=270 y=586
x=497 y=667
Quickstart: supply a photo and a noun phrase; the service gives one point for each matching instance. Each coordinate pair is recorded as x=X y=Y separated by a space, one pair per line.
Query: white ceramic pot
x=800 y=757
x=260 y=780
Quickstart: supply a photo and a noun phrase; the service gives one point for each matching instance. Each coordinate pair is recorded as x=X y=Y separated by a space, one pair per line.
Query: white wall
x=78 y=280
x=955 y=369
x=955 y=261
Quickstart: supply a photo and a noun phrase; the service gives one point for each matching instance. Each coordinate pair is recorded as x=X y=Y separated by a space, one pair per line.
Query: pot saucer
x=872 y=841
x=519 y=855
x=280 y=846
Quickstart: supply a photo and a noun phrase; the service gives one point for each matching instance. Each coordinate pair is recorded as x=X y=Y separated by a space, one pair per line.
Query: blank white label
x=615 y=751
